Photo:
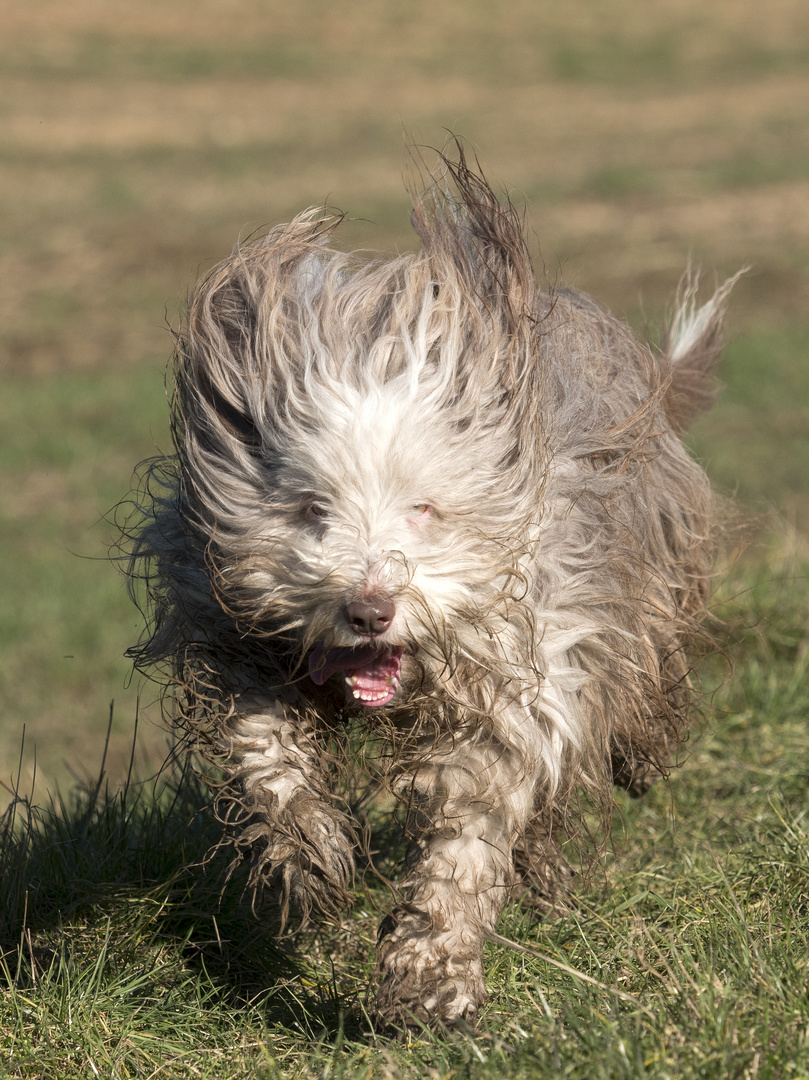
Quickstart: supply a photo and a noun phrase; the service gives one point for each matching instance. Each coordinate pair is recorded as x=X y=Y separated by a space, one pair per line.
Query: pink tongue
x=374 y=673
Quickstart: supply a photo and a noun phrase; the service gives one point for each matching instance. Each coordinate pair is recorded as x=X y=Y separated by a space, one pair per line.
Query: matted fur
x=462 y=496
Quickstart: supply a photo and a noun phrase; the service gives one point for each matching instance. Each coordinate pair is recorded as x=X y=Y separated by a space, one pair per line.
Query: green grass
x=66 y=472
x=628 y=180
x=681 y=49
x=104 y=57
x=685 y=955
x=754 y=441
x=665 y=58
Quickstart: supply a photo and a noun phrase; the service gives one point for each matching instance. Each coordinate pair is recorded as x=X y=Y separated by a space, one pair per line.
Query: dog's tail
x=693 y=344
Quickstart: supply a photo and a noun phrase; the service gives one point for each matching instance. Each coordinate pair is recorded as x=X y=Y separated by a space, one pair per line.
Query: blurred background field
x=138 y=140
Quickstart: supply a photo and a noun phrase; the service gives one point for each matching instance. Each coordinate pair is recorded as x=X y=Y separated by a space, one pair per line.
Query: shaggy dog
x=425 y=492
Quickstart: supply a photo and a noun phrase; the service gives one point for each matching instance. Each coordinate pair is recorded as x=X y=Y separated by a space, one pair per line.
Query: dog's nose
x=372 y=616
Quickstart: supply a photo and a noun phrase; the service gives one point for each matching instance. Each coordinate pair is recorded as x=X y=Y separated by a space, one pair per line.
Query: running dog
x=426 y=493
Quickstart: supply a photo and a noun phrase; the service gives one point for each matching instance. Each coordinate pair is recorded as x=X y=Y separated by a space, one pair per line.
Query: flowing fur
x=476 y=486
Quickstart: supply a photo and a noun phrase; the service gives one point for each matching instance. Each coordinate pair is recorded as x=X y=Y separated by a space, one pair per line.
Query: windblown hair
x=426 y=491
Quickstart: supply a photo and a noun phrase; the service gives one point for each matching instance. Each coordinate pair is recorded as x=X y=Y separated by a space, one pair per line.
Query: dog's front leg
x=277 y=793
x=470 y=803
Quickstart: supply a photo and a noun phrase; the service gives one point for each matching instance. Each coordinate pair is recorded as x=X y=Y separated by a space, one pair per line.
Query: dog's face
x=387 y=558
x=354 y=452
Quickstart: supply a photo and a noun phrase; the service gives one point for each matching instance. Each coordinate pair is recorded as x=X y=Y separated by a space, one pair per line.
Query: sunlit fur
x=500 y=464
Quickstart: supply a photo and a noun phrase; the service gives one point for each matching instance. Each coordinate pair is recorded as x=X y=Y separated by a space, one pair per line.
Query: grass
x=685 y=955
x=763 y=409
x=606 y=44
x=65 y=473
x=137 y=143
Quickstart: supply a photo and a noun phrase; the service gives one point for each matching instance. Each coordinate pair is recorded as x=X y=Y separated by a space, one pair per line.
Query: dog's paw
x=426 y=976
x=302 y=856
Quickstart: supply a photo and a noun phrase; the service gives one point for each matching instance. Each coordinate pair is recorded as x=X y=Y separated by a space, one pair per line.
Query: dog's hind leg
x=277 y=795
x=542 y=876
x=469 y=803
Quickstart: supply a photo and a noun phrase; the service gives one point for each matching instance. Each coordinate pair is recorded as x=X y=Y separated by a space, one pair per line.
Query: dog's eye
x=421 y=509
x=316 y=512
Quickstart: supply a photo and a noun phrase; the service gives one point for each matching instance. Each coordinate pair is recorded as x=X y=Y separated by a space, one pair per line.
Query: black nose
x=370 y=616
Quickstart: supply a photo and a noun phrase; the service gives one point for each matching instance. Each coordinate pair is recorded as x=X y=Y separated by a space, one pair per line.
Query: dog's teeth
x=368 y=696
x=351 y=680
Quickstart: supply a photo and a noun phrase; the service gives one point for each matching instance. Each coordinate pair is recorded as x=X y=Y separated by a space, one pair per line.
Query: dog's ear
x=243 y=330
x=459 y=217
x=473 y=239
x=214 y=358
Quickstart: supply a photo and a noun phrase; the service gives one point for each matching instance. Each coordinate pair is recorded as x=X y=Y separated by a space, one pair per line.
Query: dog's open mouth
x=372 y=674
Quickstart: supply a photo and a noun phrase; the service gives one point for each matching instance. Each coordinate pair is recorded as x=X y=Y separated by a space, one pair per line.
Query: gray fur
x=497 y=465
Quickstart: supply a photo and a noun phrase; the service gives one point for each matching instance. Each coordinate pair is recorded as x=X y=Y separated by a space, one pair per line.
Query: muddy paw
x=427 y=976
x=301 y=857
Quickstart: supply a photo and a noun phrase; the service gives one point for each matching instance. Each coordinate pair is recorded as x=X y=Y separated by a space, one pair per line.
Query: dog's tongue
x=372 y=675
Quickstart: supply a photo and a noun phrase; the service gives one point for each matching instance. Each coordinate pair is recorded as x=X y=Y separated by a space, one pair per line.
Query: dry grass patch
x=519 y=36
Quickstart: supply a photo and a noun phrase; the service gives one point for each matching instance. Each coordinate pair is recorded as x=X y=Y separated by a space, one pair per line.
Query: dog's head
x=358 y=442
